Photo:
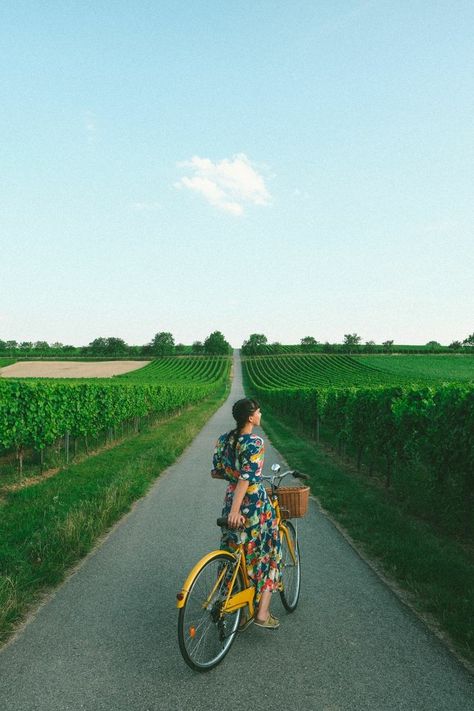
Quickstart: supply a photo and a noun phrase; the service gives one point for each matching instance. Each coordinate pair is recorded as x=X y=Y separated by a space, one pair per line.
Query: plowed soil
x=70 y=369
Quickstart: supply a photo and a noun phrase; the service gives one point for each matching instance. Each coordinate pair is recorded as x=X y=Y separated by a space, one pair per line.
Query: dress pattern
x=261 y=537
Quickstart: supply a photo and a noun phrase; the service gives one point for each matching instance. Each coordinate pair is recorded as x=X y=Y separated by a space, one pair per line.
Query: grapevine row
x=35 y=413
x=419 y=436
x=189 y=369
x=313 y=370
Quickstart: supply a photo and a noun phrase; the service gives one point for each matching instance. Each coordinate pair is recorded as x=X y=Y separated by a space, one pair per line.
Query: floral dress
x=261 y=537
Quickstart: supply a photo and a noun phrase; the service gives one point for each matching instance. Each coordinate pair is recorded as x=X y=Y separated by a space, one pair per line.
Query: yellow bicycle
x=218 y=588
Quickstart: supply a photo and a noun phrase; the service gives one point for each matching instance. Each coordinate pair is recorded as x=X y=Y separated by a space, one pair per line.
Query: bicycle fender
x=183 y=593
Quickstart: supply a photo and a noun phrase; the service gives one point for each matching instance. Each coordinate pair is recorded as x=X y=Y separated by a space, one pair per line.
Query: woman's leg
x=264 y=606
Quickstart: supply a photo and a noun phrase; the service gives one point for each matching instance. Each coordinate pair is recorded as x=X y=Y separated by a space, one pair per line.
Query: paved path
x=107 y=639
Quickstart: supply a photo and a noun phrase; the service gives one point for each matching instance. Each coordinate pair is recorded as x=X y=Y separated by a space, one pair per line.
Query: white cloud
x=227 y=184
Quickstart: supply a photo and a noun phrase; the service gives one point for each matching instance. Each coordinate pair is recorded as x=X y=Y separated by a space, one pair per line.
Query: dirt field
x=70 y=369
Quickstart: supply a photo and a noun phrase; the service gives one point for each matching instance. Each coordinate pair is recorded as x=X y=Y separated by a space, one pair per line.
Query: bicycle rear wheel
x=205 y=633
x=290 y=567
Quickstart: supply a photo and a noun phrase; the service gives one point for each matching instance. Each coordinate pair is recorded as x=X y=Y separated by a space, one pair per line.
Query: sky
x=296 y=168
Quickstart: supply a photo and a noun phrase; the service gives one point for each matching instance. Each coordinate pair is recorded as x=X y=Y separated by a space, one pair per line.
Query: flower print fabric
x=261 y=537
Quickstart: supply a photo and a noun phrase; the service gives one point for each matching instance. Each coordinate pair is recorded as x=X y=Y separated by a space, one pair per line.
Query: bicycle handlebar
x=222 y=521
x=294 y=472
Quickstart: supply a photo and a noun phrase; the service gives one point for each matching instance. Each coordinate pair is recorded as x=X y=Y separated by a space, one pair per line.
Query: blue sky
x=287 y=168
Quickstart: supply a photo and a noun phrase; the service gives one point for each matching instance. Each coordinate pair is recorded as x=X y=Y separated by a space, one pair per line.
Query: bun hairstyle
x=241 y=411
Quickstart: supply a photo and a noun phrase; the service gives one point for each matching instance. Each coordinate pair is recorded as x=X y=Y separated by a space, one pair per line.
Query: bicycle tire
x=290 y=570
x=205 y=635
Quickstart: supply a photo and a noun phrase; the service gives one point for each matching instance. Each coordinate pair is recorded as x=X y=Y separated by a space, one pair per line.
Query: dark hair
x=241 y=411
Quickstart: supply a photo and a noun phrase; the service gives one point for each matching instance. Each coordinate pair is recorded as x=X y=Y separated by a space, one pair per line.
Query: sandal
x=271 y=623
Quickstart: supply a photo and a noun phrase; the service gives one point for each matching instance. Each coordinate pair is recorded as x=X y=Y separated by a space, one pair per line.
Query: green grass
x=47 y=528
x=439 y=367
x=435 y=573
x=54 y=456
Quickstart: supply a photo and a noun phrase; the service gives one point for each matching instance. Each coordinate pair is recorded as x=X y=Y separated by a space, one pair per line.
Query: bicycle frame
x=245 y=596
x=232 y=602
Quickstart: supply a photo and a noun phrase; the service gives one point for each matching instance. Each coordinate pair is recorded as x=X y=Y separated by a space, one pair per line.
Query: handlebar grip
x=300 y=475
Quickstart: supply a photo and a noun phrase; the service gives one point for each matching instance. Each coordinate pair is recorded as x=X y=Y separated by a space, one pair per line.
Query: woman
x=238 y=458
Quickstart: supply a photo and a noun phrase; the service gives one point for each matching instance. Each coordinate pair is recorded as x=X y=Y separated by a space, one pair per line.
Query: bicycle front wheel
x=205 y=632
x=290 y=567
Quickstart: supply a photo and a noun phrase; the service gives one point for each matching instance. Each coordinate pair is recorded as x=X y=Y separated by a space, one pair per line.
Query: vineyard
x=409 y=430
x=6 y=361
x=316 y=371
x=185 y=369
x=413 y=367
x=35 y=414
x=313 y=371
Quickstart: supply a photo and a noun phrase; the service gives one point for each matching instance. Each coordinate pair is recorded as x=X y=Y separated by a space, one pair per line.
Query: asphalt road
x=107 y=639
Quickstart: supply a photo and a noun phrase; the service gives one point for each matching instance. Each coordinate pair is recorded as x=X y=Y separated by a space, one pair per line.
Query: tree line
x=162 y=344
x=257 y=343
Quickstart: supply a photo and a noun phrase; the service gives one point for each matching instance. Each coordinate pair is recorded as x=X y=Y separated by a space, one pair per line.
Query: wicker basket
x=293 y=501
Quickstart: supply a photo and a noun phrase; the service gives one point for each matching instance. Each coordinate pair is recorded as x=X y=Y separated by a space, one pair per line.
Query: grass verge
x=433 y=574
x=47 y=528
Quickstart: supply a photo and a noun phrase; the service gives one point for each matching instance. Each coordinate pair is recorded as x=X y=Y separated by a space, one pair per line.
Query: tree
x=308 y=343
x=116 y=346
x=215 y=344
x=369 y=347
x=162 y=344
x=11 y=345
x=387 y=346
x=276 y=347
x=433 y=345
x=180 y=348
x=455 y=346
x=254 y=344
x=107 y=346
x=3 y=345
x=198 y=347
x=98 y=346
x=41 y=346
x=26 y=346
x=327 y=347
x=351 y=342
x=469 y=341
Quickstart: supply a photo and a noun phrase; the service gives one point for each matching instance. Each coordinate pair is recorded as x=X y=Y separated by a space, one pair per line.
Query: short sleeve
x=250 y=459
x=217 y=464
